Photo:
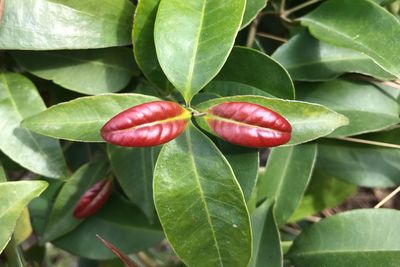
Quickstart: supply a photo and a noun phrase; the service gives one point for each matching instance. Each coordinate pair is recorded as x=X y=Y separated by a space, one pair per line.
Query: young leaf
x=266 y=238
x=200 y=204
x=253 y=7
x=88 y=72
x=85 y=24
x=308 y=59
x=134 y=168
x=347 y=23
x=81 y=119
x=308 y=121
x=367 y=108
x=286 y=178
x=143 y=43
x=61 y=219
x=194 y=38
x=254 y=68
x=37 y=153
x=341 y=240
x=14 y=198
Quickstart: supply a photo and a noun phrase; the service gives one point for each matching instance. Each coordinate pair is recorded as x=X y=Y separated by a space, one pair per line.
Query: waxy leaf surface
x=252 y=9
x=194 y=38
x=81 y=119
x=149 y=124
x=60 y=24
x=200 y=204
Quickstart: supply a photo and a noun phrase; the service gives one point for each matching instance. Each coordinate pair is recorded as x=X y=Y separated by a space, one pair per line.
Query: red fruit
x=248 y=124
x=148 y=124
x=93 y=199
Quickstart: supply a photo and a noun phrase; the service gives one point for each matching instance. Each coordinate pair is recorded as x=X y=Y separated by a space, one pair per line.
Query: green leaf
x=81 y=119
x=23 y=228
x=254 y=68
x=134 y=168
x=14 y=198
x=120 y=223
x=226 y=88
x=308 y=59
x=89 y=72
x=253 y=7
x=61 y=24
x=360 y=164
x=61 y=219
x=193 y=40
x=143 y=43
x=388 y=137
x=286 y=178
x=368 y=238
x=309 y=121
x=13 y=254
x=266 y=238
x=322 y=193
x=3 y=176
x=200 y=204
x=347 y=23
x=37 y=153
x=368 y=108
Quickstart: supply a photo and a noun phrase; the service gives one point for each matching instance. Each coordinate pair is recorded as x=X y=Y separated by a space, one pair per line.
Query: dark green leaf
x=286 y=178
x=309 y=121
x=81 y=119
x=19 y=99
x=194 y=38
x=367 y=238
x=252 y=9
x=89 y=72
x=254 y=68
x=366 y=106
x=308 y=59
x=226 y=88
x=61 y=24
x=200 y=204
x=133 y=168
x=347 y=23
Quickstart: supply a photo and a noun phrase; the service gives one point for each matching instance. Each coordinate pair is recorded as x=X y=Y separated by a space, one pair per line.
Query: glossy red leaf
x=93 y=199
x=124 y=258
x=248 y=124
x=148 y=124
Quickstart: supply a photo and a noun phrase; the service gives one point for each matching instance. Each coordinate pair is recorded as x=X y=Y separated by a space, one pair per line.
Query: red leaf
x=125 y=259
x=93 y=199
x=248 y=124
x=148 y=124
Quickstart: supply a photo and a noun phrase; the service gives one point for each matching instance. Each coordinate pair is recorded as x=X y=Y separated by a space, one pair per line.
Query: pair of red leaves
x=158 y=122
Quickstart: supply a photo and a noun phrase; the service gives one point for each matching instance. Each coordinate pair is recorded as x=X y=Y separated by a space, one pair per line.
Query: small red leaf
x=148 y=124
x=93 y=199
x=124 y=258
x=248 y=124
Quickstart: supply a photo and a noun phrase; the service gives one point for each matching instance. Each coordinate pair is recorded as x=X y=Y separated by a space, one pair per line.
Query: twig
x=282 y=8
x=301 y=6
x=273 y=37
x=253 y=31
x=368 y=142
x=386 y=199
x=291 y=230
x=393 y=84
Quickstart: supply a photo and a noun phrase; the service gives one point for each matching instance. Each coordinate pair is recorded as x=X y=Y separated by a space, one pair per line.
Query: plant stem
x=253 y=31
x=301 y=6
x=368 y=142
x=282 y=9
x=273 y=37
x=387 y=198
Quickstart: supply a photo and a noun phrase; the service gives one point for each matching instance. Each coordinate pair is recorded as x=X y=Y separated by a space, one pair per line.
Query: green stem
x=299 y=7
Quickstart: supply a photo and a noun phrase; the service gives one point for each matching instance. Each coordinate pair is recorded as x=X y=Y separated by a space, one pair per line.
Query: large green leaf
x=134 y=168
x=308 y=59
x=120 y=223
x=14 y=197
x=347 y=23
x=61 y=24
x=226 y=88
x=286 y=178
x=86 y=71
x=19 y=99
x=200 y=204
x=367 y=238
x=367 y=108
x=363 y=165
x=254 y=68
x=81 y=119
x=193 y=40
x=267 y=250
x=252 y=9
x=143 y=42
x=309 y=121
x=61 y=219
x=322 y=193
